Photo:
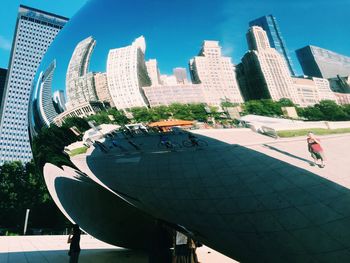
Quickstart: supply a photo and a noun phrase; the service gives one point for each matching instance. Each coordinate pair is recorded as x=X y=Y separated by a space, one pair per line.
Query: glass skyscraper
x=35 y=31
x=269 y=24
x=323 y=63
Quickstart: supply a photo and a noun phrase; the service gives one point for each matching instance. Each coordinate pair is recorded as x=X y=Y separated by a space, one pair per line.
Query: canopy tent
x=171 y=123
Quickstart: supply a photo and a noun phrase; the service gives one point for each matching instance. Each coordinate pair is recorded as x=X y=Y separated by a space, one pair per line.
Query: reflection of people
x=74 y=241
x=315 y=148
x=185 y=249
x=165 y=141
x=193 y=139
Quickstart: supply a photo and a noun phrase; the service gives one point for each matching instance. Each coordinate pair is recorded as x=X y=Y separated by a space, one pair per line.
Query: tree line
x=22 y=187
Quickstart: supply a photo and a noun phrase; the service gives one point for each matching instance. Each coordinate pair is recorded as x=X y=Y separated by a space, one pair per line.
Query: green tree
x=181 y=111
x=284 y=102
x=198 y=111
x=331 y=110
x=80 y=123
x=141 y=114
x=118 y=116
x=311 y=113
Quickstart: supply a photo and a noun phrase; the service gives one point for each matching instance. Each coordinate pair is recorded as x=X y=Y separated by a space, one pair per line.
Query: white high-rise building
x=127 y=74
x=216 y=73
x=267 y=72
x=80 y=84
x=153 y=72
x=35 y=31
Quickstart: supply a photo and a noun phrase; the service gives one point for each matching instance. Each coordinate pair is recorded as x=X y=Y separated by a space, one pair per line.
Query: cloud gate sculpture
x=116 y=184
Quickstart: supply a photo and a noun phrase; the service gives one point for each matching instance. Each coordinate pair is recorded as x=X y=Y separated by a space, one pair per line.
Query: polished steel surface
x=239 y=201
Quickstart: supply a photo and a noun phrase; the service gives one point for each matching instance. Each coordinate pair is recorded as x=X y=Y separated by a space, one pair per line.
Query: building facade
x=267 y=73
x=169 y=94
x=216 y=73
x=322 y=63
x=307 y=91
x=127 y=74
x=324 y=89
x=80 y=85
x=46 y=103
x=153 y=72
x=35 y=30
x=271 y=27
x=101 y=86
x=83 y=110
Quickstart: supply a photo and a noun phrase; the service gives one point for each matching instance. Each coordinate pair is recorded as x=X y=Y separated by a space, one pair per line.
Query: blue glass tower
x=269 y=24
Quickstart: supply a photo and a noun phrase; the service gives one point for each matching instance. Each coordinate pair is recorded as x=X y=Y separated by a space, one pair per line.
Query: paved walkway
x=53 y=249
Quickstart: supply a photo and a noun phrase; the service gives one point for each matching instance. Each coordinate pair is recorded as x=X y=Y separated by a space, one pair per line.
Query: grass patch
x=77 y=151
x=316 y=131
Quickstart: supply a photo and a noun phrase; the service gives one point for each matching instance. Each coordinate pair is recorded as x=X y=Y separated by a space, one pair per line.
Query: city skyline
x=309 y=29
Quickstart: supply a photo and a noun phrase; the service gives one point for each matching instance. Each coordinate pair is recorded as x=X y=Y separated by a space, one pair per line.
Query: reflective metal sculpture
x=116 y=183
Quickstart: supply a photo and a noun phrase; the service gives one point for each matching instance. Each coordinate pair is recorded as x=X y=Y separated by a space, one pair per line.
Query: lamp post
x=26 y=222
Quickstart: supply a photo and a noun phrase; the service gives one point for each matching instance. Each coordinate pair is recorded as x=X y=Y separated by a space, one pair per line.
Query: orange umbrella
x=170 y=123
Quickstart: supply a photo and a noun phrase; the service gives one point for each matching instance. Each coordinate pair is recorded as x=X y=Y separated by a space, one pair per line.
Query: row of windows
x=41 y=22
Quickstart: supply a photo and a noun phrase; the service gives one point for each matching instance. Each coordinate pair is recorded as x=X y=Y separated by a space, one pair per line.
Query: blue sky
x=318 y=22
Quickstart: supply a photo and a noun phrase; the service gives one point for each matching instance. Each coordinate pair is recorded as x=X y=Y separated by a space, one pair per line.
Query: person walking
x=74 y=241
x=316 y=150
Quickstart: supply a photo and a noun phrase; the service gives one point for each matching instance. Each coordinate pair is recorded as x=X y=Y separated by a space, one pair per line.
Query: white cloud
x=5 y=44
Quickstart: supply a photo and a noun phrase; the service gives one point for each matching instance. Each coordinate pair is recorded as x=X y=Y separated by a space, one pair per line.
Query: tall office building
x=216 y=73
x=3 y=73
x=323 y=63
x=127 y=74
x=80 y=85
x=46 y=103
x=35 y=31
x=270 y=25
x=153 y=72
x=266 y=71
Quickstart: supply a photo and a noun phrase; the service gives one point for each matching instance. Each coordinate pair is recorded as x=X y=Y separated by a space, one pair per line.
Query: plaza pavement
x=53 y=249
x=294 y=151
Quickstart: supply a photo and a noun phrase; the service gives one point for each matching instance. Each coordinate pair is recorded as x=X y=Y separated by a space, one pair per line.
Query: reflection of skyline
x=80 y=82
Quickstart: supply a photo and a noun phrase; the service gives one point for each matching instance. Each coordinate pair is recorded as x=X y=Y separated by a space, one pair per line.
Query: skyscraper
x=266 y=71
x=80 y=83
x=270 y=25
x=35 y=31
x=3 y=73
x=216 y=73
x=46 y=104
x=127 y=74
x=323 y=63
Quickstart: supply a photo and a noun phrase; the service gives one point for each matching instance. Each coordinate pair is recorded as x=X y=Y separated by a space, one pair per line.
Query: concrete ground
x=53 y=249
